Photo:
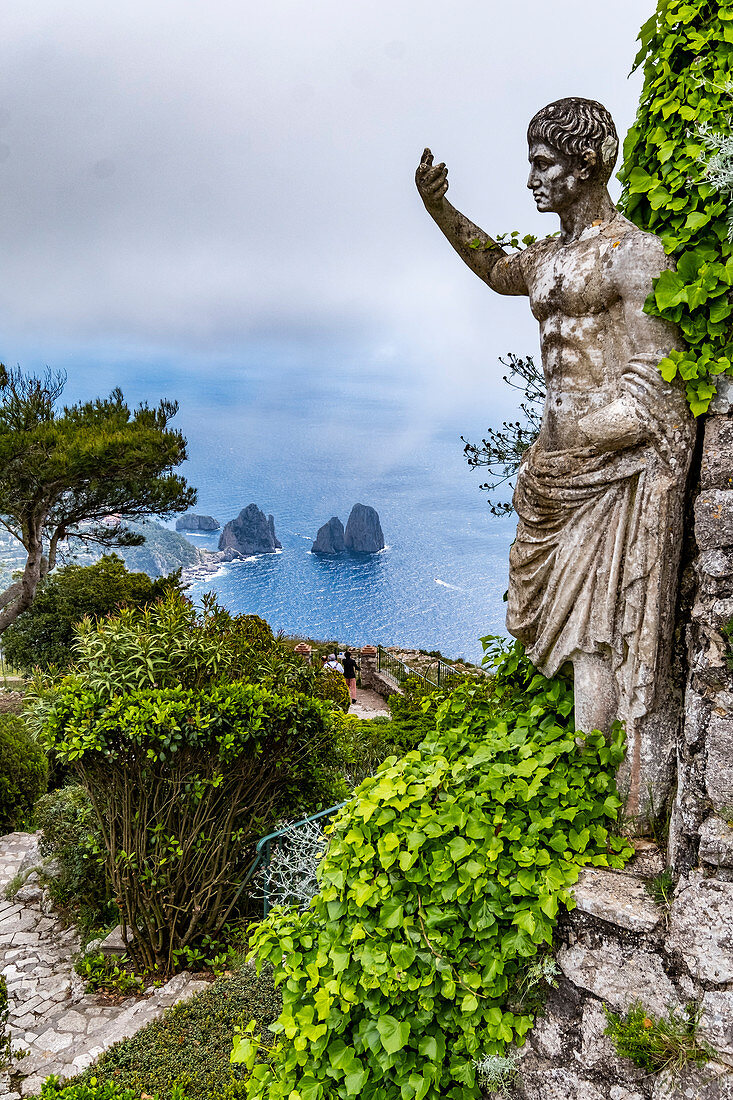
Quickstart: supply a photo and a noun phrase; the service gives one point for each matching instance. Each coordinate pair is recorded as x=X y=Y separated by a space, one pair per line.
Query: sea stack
x=193 y=522
x=252 y=532
x=330 y=538
x=364 y=531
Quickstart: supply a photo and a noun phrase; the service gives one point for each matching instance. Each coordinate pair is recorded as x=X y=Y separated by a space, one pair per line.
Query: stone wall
x=618 y=947
x=701 y=832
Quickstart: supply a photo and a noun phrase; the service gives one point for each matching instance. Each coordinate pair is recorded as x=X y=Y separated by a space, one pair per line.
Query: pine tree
x=79 y=471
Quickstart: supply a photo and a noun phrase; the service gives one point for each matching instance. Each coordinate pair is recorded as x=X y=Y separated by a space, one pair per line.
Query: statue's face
x=554 y=179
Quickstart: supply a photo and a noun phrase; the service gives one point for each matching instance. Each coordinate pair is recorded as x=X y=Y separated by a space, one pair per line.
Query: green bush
x=54 y=1089
x=5 y=1048
x=331 y=685
x=673 y=188
x=23 y=773
x=71 y=836
x=44 y=634
x=185 y=767
x=190 y=1046
x=443 y=880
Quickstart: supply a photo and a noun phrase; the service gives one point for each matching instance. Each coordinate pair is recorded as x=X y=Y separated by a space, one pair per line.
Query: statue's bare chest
x=571 y=280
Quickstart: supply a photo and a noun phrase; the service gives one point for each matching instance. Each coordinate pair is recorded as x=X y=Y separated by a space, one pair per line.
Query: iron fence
x=398 y=671
x=266 y=846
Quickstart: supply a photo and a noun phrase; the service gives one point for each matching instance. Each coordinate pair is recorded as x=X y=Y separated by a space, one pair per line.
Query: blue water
x=311 y=449
x=305 y=441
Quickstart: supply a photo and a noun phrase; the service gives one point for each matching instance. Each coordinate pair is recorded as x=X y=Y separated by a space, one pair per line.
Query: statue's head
x=573 y=145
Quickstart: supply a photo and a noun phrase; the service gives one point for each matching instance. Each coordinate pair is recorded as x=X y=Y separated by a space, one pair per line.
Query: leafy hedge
x=70 y=835
x=189 y=1046
x=444 y=877
x=687 y=55
x=183 y=782
x=23 y=773
x=44 y=634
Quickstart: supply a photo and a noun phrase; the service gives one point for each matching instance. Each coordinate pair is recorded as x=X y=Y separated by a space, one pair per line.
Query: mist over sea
x=308 y=443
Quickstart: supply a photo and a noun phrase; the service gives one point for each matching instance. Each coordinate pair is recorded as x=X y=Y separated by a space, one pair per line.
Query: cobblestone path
x=62 y=1028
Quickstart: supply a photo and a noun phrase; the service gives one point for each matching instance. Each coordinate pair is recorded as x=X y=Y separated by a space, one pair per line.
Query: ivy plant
x=443 y=880
x=687 y=57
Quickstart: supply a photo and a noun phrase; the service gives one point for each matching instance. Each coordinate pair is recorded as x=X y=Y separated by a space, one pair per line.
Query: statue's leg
x=596 y=692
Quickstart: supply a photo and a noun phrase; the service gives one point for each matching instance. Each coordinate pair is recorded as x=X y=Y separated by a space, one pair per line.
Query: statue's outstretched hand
x=431 y=180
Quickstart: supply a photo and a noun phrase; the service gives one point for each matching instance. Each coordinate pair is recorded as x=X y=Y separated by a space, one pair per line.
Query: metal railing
x=437 y=675
x=398 y=671
x=265 y=846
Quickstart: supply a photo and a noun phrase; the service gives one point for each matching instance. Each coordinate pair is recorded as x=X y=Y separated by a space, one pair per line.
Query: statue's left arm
x=634 y=417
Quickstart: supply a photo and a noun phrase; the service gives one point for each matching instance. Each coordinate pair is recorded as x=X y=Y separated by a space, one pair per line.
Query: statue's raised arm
x=475 y=247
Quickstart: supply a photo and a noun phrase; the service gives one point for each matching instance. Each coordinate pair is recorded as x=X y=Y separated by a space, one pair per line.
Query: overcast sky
x=232 y=182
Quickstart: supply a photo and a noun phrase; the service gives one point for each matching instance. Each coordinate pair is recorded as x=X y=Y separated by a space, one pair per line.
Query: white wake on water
x=453 y=587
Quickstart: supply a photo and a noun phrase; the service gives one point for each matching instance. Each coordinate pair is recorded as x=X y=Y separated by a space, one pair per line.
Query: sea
x=308 y=445
x=306 y=442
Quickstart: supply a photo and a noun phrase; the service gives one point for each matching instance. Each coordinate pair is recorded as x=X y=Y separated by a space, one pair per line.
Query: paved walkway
x=62 y=1028
x=369 y=704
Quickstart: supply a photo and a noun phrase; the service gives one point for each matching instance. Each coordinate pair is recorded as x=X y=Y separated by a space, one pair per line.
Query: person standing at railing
x=350 y=668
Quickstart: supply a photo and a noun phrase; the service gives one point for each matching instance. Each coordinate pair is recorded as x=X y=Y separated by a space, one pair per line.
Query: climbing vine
x=683 y=121
x=443 y=880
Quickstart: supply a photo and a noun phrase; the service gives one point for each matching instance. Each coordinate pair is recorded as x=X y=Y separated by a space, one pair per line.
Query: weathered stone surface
x=714 y=519
x=701 y=928
x=719 y=769
x=716 y=842
x=250 y=533
x=716 y=1023
x=363 y=533
x=716 y=471
x=619 y=975
x=709 y=1082
x=193 y=522
x=555 y=1083
x=722 y=403
x=330 y=538
x=618 y=898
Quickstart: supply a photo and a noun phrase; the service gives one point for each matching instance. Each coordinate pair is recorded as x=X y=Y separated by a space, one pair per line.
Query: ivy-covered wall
x=675 y=181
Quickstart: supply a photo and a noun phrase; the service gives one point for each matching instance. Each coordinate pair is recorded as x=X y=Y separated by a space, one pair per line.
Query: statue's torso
x=576 y=296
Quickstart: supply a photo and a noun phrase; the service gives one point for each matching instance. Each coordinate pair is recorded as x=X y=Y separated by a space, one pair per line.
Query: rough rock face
x=364 y=531
x=252 y=532
x=618 y=947
x=193 y=522
x=330 y=538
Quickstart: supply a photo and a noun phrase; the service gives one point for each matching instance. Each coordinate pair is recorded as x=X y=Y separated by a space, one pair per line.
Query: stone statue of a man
x=599 y=495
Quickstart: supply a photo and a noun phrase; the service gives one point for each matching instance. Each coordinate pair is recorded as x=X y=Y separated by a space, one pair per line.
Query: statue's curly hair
x=575 y=125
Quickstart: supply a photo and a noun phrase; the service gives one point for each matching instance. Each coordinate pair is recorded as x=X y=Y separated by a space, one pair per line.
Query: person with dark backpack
x=350 y=667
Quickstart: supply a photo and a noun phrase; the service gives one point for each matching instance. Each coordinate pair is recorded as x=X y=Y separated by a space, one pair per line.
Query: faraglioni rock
x=330 y=538
x=252 y=532
x=193 y=522
x=364 y=531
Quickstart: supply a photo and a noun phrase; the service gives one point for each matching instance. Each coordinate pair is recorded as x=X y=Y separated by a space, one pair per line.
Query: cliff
x=193 y=522
x=364 y=531
x=252 y=532
x=330 y=538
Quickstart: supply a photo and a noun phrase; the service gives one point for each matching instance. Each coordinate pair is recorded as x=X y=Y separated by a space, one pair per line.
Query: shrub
x=332 y=685
x=72 y=838
x=185 y=768
x=444 y=876
x=191 y=1044
x=5 y=1047
x=43 y=635
x=658 y=1044
x=54 y=1089
x=23 y=773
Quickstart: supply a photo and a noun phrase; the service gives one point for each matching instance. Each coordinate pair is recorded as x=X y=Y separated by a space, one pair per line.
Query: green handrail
x=264 y=846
